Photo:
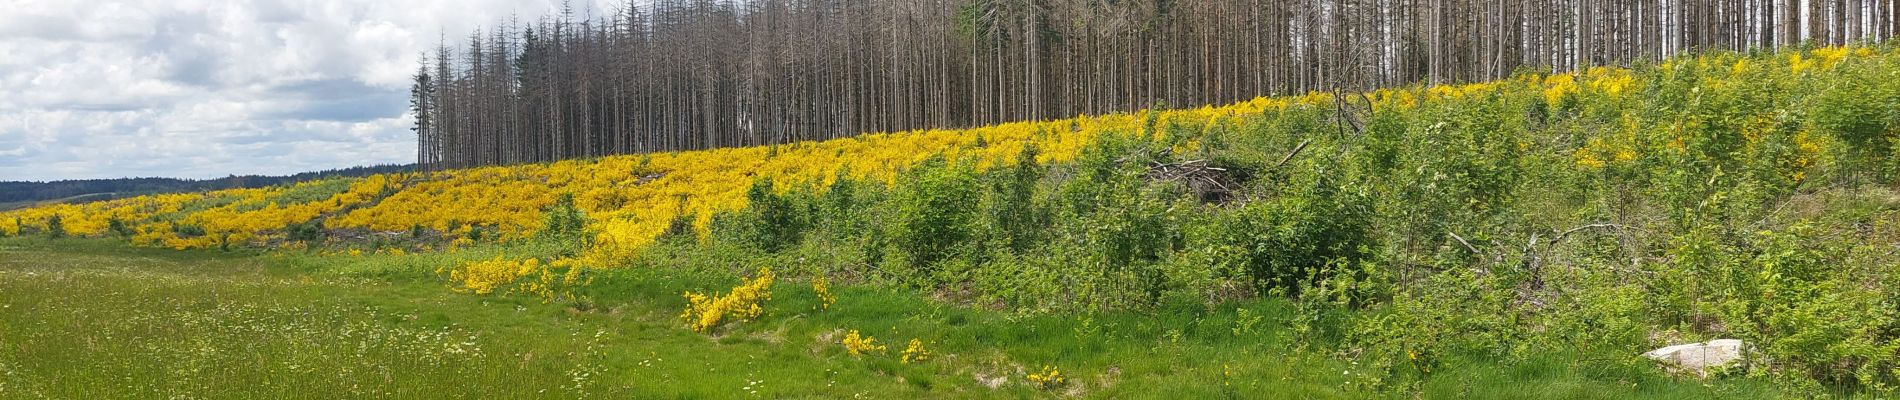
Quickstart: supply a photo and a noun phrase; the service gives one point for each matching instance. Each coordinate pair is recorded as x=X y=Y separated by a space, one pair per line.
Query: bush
x=1812 y=312
x=1012 y=207
x=55 y=228
x=1858 y=112
x=1283 y=244
x=563 y=219
x=705 y=312
x=118 y=227
x=772 y=221
x=308 y=231
x=935 y=205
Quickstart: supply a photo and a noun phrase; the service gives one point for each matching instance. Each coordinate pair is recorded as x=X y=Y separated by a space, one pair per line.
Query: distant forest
x=694 y=74
x=22 y=192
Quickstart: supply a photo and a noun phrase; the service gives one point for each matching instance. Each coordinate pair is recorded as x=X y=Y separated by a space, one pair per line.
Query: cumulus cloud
x=208 y=88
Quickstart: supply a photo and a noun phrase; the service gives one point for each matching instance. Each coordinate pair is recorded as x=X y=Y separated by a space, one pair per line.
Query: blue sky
x=204 y=89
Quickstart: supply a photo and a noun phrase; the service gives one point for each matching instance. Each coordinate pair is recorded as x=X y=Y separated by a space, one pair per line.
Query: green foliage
x=1859 y=112
x=773 y=221
x=301 y=193
x=118 y=227
x=563 y=219
x=311 y=231
x=563 y=230
x=933 y=209
x=1454 y=313
x=55 y=227
x=1813 y=311
x=1011 y=203
x=1282 y=245
x=81 y=320
x=188 y=230
x=1113 y=225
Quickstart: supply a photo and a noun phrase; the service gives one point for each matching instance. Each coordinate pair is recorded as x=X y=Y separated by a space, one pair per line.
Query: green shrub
x=1454 y=313
x=1282 y=244
x=308 y=232
x=563 y=219
x=55 y=228
x=188 y=230
x=1012 y=206
x=933 y=208
x=771 y=221
x=118 y=227
x=1859 y=112
x=848 y=218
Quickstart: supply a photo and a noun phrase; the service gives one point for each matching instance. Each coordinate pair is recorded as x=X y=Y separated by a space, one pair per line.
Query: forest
x=695 y=74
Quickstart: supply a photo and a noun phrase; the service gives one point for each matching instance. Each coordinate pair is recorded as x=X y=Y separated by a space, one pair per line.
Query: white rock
x=1699 y=357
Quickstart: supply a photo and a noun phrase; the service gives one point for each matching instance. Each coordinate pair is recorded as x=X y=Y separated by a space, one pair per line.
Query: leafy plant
x=745 y=302
x=55 y=227
x=934 y=207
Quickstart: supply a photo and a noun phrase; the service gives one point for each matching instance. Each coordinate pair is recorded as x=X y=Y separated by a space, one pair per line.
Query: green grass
x=99 y=319
x=10 y=206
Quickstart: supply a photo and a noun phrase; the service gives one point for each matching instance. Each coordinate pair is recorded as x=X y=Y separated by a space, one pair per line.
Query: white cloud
x=208 y=88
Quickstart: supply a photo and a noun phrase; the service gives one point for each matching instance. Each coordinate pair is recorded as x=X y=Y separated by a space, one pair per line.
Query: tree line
x=24 y=193
x=693 y=74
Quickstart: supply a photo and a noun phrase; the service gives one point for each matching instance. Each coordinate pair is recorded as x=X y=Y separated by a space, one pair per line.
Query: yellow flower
x=1625 y=155
x=858 y=345
x=822 y=287
x=1831 y=55
x=484 y=277
x=1587 y=158
x=1049 y=378
x=745 y=302
x=915 y=352
x=1559 y=86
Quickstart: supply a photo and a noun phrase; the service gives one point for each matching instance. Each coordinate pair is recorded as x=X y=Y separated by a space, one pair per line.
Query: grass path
x=98 y=319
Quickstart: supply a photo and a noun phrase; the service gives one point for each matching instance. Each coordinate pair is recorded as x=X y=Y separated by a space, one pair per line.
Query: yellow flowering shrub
x=1829 y=56
x=633 y=199
x=1796 y=63
x=225 y=217
x=483 y=277
x=1049 y=378
x=1587 y=158
x=822 y=287
x=1559 y=87
x=857 y=344
x=1611 y=81
x=745 y=302
x=915 y=352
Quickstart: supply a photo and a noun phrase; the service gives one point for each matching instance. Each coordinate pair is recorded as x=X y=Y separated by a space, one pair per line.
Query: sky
x=208 y=88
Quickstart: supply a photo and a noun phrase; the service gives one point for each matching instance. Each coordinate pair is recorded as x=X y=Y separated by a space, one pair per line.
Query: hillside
x=73 y=199
x=26 y=193
x=1414 y=239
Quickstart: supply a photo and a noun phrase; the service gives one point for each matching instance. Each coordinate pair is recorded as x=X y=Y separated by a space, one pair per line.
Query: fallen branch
x=1461 y=240
x=1290 y=155
x=1535 y=262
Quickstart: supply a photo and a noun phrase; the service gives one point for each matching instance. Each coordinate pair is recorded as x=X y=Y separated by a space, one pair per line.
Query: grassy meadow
x=101 y=319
